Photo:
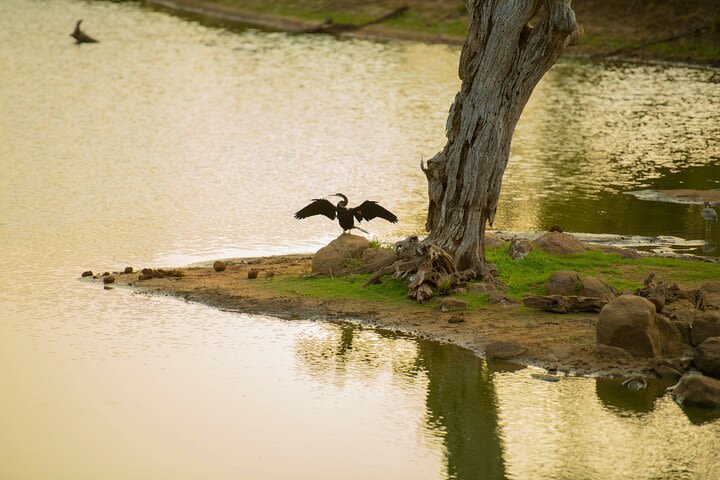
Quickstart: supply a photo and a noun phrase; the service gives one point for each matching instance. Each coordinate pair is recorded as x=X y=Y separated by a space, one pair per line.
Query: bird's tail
x=362 y=230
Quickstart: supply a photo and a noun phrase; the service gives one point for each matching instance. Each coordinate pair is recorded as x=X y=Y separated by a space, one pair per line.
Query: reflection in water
x=496 y=423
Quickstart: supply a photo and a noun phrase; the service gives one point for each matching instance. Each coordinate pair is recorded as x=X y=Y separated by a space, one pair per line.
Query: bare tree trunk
x=502 y=60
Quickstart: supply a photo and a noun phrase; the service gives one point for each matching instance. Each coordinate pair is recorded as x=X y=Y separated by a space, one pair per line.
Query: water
x=171 y=142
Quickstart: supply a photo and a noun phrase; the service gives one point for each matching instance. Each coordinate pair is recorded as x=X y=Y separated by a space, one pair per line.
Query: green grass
x=527 y=276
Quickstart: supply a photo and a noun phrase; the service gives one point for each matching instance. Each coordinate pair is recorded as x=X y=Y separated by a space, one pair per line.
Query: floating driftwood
x=564 y=304
x=330 y=27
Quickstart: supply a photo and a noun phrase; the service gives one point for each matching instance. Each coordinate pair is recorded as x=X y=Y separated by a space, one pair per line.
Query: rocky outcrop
x=334 y=257
x=698 y=391
x=707 y=357
x=519 y=248
x=559 y=243
x=563 y=282
x=631 y=323
x=705 y=326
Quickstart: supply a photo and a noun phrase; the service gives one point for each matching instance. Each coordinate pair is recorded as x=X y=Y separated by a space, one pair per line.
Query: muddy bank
x=558 y=342
x=684 y=32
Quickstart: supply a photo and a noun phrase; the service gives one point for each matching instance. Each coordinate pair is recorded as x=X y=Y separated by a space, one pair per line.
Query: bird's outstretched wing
x=370 y=209
x=319 y=206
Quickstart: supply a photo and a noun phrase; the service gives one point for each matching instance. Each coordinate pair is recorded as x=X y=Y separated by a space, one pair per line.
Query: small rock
x=219 y=266
x=612 y=353
x=128 y=270
x=109 y=279
x=456 y=319
x=555 y=228
x=559 y=243
x=635 y=384
x=545 y=377
x=593 y=287
x=480 y=288
x=498 y=297
x=698 y=390
x=269 y=274
x=623 y=252
x=87 y=274
x=503 y=349
x=707 y=357
x=563 y=282
x=519 y=248
x=667 y=372
x=105 y=287
x=452 y=305
x=105 y=274
x=459 y=291
x=253 y=273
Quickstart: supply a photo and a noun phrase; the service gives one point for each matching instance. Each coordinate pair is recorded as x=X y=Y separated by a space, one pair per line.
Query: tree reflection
x=461 y=400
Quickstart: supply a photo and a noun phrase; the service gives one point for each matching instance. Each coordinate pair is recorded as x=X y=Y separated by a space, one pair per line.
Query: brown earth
x=565 y=343
x=667 y=30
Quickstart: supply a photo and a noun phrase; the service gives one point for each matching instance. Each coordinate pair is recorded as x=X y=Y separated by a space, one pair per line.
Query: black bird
x=80 y=36
x=346 y=216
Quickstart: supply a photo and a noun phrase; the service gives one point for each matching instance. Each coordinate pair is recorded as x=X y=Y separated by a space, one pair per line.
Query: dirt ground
x=563 y=343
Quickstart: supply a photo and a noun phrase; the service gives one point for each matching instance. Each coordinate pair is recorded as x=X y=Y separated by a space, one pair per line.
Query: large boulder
x=374 y=255
x=698 y=391
x=705 y=326
x=592 y=287
x=631 y=323
x=707 y=357
x=559 y=243
x=563 y=282
x=336 y=255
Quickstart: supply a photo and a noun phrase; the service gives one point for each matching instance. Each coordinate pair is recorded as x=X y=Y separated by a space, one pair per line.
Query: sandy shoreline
x=563 y=343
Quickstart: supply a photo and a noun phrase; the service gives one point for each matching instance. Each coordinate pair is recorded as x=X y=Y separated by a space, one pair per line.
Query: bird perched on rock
x=80 y=36
x=709 y=214
x=346 y=216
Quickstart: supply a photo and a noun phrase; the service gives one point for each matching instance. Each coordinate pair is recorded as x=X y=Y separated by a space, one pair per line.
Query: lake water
x=173 y=141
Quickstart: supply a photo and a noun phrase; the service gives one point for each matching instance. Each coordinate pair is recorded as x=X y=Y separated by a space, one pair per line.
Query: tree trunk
x=502 y=60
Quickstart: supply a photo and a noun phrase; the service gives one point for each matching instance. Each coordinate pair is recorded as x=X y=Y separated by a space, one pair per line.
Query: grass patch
x=527 y=276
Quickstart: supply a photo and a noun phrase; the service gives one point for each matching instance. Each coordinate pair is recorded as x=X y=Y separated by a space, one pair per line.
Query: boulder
x=519 y=248
x=707 y=357
x=559 y=243
x=698 y=391
x=219 y=266
x=503 y=349
x=334 y=256
x=253 y=273
x=623 y=252
x=631 y=323
x=562 y=282
x=705 y=326
x=592 y=287
x=498 y=297
x=452 y=305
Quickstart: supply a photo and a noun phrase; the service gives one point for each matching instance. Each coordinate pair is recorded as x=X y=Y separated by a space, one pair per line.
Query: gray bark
x=502 y=60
